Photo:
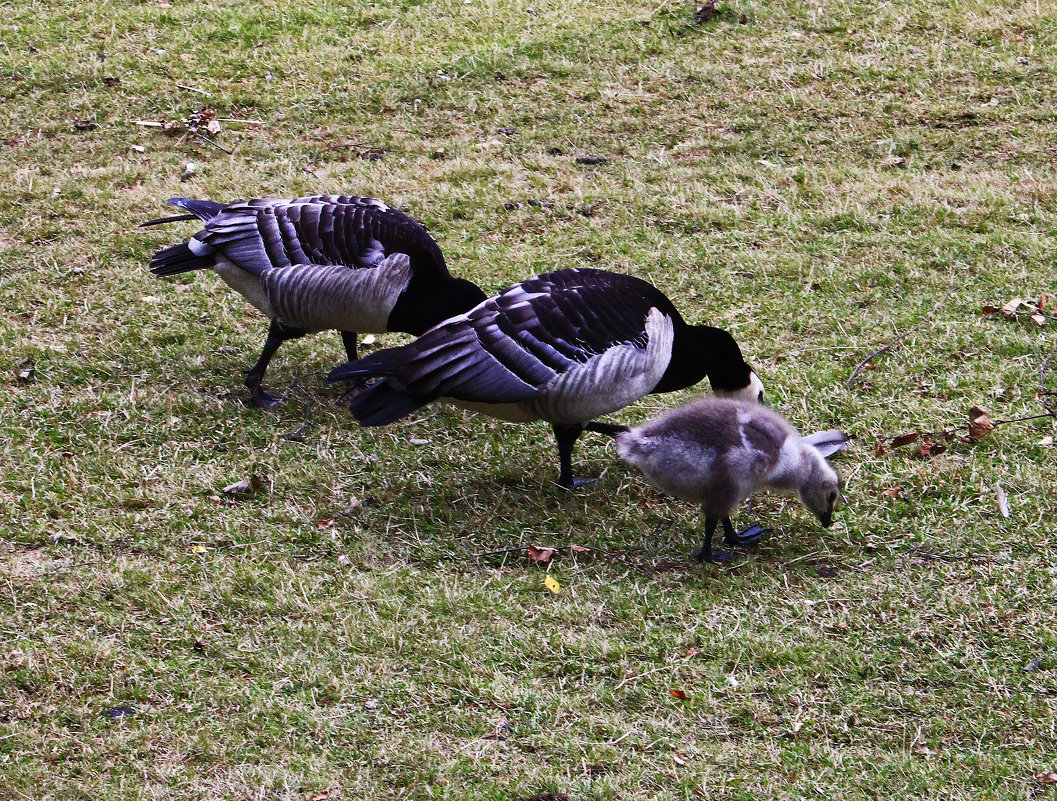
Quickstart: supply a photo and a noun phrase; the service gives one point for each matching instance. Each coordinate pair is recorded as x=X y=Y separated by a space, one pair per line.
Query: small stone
x=190 y=168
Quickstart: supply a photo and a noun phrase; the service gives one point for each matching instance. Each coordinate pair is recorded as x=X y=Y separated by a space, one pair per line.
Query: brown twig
x=1043 y=392
x=610 y=554
x=861 y=365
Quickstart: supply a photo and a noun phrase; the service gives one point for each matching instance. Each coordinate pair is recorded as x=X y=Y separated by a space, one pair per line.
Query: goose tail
x=380 y=403
x=179 y=259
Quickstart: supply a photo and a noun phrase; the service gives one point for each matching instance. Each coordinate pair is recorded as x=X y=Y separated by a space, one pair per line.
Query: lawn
x=823 y=180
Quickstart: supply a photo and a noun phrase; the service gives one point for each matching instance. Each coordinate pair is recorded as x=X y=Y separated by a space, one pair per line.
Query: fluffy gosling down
x=717 y=452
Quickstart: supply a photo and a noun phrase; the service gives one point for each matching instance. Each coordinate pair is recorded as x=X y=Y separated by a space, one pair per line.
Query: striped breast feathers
x=320 y=297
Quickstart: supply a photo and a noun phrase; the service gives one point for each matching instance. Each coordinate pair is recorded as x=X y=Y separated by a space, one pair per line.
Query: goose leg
x=706 y=554
x=278 y=333
x=750 y=536
x=348 y=338
x=566 y=436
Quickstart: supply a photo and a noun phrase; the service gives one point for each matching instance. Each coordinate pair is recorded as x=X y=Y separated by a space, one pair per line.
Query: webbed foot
x=746 y=537
x=717 y=557
x=263 y=399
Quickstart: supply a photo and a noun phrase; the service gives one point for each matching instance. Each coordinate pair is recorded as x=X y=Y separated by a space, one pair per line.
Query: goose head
x=820 y=487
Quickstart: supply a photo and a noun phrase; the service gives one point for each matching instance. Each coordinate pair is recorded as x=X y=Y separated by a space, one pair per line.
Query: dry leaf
x=552 y=584
x=1003 y=501
x=705 y=13
x=326 y=793
x=1047 y=777
x=418 y=442
x=989 y=310
x=26 y=369
x=580 y=549
x=539 y=556
x=682 y=696
x=924 y=750
x=1010 y=309
x=893 y=492
x=1046 y=300
x=679 y=760
x=980 y=424
x=927 y=449
x=904 y=439
x=245 y=488
x=326 y=523
x=1046 y=441
x=1038 y=319
x=692 y=651
x=198 y=549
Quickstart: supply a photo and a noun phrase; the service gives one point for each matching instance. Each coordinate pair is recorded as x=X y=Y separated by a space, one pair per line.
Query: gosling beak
x=826 y=519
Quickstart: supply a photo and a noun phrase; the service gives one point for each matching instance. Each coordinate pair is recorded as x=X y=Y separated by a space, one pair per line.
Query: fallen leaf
x=326 y=523
x=692 y=651
x=893 y=492
x=904 y=439
x=417 y=442
x=705 y=13
x=1010 y=309
x=495 y=735
x=980 y=424
x=540 y=556
x=1046 y=441
x=552 y=584
x=26 y=369
x=372 y=703
x=989 y=310
x=927 y=449
x=245 y=488
x=1038 y=319
x=1045 y=301
x=678 y=759
x=112 y=81
x=320 y=796
x=924 y=750
x=1003 y=501
x=198 y=549
x=580 y=549
x=682 y=696
x=1047 y=777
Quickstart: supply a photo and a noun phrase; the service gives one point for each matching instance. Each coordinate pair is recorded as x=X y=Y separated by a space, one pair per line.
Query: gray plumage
x=717 y=452
x=311 y=264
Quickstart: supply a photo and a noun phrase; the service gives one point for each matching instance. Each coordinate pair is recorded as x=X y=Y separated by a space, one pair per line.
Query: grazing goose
x=317 y=263
x=564 y=347
x=717 y=452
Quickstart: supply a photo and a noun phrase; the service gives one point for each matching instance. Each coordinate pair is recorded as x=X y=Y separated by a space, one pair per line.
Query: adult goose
x=317 y=263
x=717 y=452
x=563 y=347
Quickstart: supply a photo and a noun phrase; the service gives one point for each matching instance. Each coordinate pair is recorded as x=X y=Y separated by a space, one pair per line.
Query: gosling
x=719 y=451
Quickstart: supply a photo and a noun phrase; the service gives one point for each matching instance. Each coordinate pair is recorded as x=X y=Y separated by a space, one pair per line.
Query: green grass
x=820 y=180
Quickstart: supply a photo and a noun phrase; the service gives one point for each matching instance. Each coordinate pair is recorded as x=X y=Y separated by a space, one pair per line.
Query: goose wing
x=266 y=234
x=557 y=340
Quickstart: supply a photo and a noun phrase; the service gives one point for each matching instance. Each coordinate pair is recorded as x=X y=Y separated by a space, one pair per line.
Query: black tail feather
x=379 y=364
x=204 y=210
x=380 y=404
x=178 y=259
x=609 y=429
x=163 y=220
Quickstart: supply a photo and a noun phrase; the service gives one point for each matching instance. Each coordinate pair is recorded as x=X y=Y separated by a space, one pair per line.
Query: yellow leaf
x=198 y=549
x=552 y=585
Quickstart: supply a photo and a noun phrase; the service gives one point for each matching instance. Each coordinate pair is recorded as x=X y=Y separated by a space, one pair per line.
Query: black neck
x=430 y=299
x=699 y=351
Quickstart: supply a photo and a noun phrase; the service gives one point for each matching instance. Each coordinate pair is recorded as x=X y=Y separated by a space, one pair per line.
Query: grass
x=819 y=179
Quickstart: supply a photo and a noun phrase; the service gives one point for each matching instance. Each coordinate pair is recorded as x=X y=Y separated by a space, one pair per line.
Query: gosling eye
x=760 y=396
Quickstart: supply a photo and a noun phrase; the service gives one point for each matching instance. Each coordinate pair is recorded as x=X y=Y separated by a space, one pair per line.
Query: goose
x=564 y=347
x=717 y=451
x=317 y=263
